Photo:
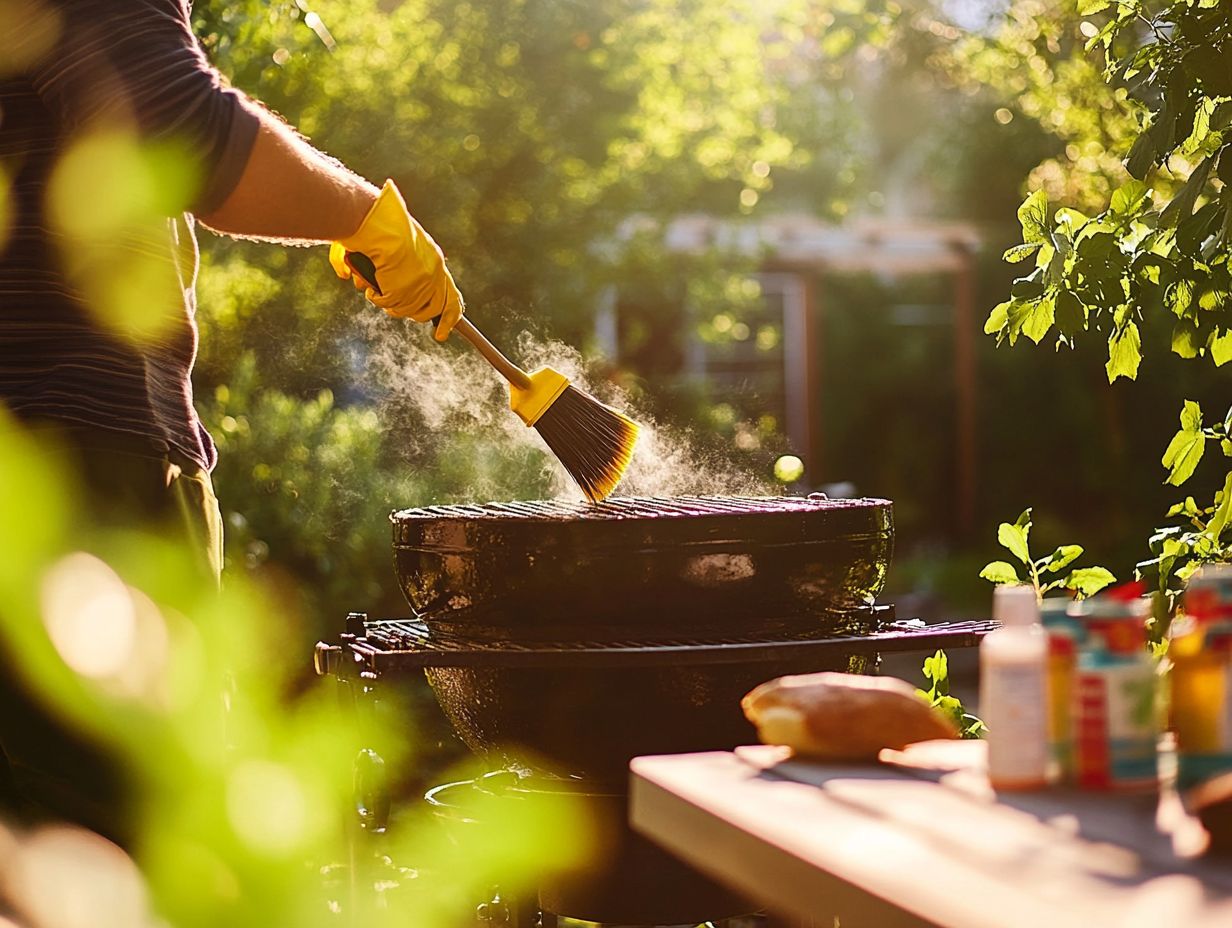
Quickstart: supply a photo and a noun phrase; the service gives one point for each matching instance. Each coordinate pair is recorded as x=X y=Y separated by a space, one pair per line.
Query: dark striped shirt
x=84 y=70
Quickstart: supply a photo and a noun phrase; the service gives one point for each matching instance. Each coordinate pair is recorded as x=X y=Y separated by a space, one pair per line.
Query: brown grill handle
x=364 y=266
x=506 y=368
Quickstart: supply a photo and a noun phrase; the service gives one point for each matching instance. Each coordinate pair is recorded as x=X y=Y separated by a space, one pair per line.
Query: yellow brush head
x=594 y=442
x=546 y=385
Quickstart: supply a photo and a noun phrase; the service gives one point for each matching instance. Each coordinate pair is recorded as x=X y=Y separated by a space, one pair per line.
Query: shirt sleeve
x=137 y=63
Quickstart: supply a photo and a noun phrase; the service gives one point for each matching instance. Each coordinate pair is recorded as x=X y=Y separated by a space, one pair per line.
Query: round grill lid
x=651 y=560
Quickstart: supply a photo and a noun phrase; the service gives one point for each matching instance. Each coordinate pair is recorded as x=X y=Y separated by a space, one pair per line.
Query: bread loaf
x=843 y=716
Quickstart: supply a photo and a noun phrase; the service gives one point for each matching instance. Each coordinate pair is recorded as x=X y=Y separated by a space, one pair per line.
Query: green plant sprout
x=1179 y=550
x=1046 y=573
x=937 y=673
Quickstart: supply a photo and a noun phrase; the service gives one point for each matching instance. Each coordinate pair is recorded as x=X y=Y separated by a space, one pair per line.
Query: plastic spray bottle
x=1014 y=691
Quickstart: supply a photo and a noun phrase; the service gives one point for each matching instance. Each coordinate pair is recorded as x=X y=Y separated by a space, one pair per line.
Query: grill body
x=589 y=723
x=568 y=715
x=694 y=565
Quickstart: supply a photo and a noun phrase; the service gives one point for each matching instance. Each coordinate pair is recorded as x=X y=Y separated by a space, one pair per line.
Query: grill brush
x=593 y=441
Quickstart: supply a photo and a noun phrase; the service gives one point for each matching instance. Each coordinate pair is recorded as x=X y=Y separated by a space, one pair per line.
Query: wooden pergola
x=803 y=252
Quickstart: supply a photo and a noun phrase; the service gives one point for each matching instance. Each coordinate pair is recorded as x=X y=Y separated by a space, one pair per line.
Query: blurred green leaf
x=1124 y=352
x=1187 y=445
x=1014 y=539
x=1033 y=217
x=1063 y=557
x=1089 y=580
x=999 y=572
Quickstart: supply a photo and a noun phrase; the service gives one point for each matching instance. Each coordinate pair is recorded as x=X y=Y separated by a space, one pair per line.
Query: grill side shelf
x=408 y=646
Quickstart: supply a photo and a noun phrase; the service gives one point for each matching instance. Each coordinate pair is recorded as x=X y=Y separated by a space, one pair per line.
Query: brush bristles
x=594 y=442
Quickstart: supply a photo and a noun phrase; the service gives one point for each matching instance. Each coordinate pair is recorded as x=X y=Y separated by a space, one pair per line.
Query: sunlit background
x=774 y=229
x=777 y=227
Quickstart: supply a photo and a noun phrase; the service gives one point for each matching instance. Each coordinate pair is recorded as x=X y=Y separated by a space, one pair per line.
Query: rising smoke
x=453 y=392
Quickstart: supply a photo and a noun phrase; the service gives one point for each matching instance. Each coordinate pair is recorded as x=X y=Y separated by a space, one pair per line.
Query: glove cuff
x=388 y=211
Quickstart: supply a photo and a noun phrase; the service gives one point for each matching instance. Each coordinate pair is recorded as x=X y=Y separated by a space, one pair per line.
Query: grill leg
x=365 y=867
x=513 y=912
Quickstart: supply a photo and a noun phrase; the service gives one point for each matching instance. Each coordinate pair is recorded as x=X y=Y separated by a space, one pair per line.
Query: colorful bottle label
x=1115 y=736
x=1060 y=701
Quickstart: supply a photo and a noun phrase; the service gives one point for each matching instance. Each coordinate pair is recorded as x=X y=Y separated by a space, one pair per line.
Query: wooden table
x=921 y=839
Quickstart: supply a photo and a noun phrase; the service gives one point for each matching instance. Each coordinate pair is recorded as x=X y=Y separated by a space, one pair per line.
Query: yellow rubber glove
x=409 y=276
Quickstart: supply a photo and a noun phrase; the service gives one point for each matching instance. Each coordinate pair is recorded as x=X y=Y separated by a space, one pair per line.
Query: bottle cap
x=1015 y=604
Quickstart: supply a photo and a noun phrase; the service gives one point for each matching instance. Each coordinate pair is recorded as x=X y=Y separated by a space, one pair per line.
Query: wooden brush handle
x=364 y=266
x=506 y=368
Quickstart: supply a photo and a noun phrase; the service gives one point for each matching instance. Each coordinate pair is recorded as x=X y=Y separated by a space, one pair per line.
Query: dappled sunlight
x=65 y=877
x=103 y=629
x=268 y=807
x=89 y=615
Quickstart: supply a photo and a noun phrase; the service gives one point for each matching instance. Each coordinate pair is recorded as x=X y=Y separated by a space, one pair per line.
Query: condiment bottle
x=1116 y=729
x=1014 y=691
x=1201 y=678
x=1065 y=634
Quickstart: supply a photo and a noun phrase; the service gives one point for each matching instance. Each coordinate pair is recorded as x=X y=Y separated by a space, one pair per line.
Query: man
x=85 y=84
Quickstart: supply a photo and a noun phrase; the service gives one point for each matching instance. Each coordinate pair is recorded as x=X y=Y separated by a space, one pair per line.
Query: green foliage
x=1032 y=58
x=305 y=487
x=937 y=672
x=1186 y=448
x=1160 y=249
x=245 y=793
x=523 y=134
x=1046 y=573
x=1177 y=551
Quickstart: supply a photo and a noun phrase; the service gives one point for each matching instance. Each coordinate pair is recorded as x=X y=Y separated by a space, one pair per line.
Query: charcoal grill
x=563 y=639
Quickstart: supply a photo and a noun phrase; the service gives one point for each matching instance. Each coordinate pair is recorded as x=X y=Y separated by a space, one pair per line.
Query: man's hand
x=410 y=276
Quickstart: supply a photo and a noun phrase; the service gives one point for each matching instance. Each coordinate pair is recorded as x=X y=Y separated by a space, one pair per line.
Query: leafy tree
x=1159 y=249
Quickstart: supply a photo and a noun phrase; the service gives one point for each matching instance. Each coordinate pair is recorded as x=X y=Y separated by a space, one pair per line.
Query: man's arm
x=291 y=192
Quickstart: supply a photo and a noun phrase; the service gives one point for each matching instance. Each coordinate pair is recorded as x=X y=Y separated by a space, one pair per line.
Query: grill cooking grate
x=407 y=644
x=633 y=507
